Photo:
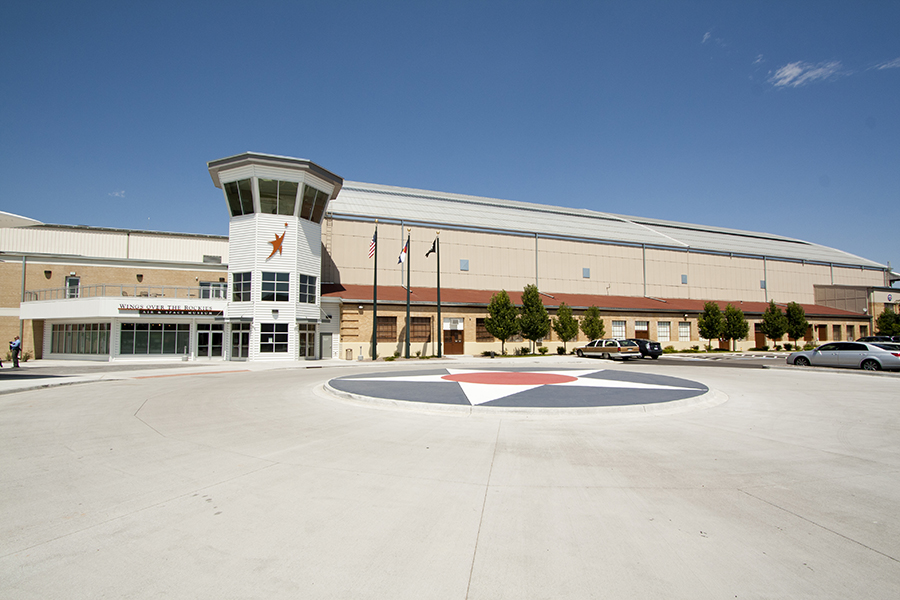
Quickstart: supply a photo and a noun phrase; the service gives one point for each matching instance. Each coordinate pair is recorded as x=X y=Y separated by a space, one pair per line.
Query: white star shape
x=480 y=393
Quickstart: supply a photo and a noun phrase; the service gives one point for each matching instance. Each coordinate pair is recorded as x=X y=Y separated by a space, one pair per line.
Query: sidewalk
x=37 y=374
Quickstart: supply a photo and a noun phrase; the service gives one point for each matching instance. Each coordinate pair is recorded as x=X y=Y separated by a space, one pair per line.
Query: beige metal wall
x=112 y=244
x=508 y=262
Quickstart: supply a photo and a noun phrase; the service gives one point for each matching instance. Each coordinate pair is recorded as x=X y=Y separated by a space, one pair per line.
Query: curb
x=708 y=400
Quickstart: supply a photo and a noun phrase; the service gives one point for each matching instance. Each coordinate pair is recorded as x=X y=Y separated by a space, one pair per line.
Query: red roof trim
x=481 y=298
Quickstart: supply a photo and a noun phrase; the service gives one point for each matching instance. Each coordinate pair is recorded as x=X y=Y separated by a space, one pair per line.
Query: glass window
x=126 y=340
x=141 y=338
x=287 y=197
x=275 y=287
x=684 y=331
x=586 y=273
x=481 y=332
x=79 y=338
x=153 y=338
x=464 y=264
x=156 y=335
x=321 y=201
x=387 y=329
x=246 y=188
x=212 y=289
x=241 y=287
x=313 y=206
x=420 y=329
x=618 y=329
x=836 y=332
x=240 y=197
x=273 y=337
x=268 y=196
x=307 y=291
x=169 y=345
x=72 y=287
x=663 y=331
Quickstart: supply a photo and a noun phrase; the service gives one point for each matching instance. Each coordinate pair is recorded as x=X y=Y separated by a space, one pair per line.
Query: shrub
x=396 y=354
x=418 y=354
x=560 y=350
x=389 y=358
x=668 y=349
x=788 y=346
x=777 y=347
x=695 y=348
x=543 y=349
x=809 y=346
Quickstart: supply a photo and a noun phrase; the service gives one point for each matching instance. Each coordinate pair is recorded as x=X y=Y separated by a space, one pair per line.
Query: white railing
x=107 y=290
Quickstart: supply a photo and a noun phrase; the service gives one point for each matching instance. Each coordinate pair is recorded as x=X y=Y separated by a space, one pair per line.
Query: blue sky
x=780 y=117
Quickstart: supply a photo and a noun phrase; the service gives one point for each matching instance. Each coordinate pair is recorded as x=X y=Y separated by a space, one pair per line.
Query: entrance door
x=209 y=340
x=453 y=341
x=240 y=341
x=306 y=340
x=325 y=345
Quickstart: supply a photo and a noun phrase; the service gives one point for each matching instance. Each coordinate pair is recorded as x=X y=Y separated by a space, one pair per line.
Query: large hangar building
x=294 y=279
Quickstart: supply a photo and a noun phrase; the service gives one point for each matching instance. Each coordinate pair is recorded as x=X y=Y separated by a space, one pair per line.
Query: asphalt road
x=257 y=484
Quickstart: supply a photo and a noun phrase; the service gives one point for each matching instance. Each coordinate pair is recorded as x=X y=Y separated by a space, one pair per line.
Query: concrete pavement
x=255 y=484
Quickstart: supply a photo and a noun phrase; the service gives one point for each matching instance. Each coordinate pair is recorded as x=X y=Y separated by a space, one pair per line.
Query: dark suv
x=879 y=338
x=648 y=348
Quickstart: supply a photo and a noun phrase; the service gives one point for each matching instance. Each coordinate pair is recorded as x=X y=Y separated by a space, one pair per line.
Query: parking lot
x=248 y=481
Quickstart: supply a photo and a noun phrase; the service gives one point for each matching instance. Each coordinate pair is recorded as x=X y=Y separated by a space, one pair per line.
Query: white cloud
x=118 y=194
x=759 y=59
x=799 y=73
x=890 y=64
x=706 y=37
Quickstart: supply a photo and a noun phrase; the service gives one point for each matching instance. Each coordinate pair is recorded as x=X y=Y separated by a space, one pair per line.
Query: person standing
x=15 y=347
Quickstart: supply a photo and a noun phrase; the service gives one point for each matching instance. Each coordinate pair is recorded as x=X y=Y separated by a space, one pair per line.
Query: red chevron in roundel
x=510 y=378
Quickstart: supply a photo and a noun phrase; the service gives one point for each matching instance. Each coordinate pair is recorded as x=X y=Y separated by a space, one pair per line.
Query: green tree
x=736 y=326
x=592 y=324
x=711 y=323
x=796 y=321
x=565 y=325
x=774 y=323
x=888 y=323
x=502 y=322
x=534 y=322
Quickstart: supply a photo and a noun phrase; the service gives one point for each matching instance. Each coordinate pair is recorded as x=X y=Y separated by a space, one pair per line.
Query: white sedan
x=851 y=355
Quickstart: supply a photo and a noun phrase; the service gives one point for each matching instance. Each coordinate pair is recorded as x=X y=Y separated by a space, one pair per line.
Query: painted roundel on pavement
x=522 y=388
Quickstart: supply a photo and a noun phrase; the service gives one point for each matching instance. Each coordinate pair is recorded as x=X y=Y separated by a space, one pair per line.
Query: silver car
x=852 y=355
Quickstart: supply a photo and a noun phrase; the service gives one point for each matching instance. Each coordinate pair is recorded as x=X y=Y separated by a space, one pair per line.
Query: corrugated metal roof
x=373 y=201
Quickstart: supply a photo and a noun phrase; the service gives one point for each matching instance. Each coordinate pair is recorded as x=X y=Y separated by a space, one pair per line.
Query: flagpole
x=408 y=261
x=440 y=322
x=375 y=297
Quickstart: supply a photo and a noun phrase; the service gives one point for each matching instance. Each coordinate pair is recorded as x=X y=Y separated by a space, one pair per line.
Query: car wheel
x=871 y=365
x=801 y=361
x=605 y=356
x=655 y=356
x=579 y=353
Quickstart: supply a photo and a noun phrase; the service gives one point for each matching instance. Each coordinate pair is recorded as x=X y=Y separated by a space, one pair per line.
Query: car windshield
x=628 y=343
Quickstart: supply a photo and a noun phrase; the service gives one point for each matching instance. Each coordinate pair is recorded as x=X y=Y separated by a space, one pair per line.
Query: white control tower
x=276 y=205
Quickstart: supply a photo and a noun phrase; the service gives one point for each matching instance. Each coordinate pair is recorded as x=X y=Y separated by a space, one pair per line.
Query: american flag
x=372 y=245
